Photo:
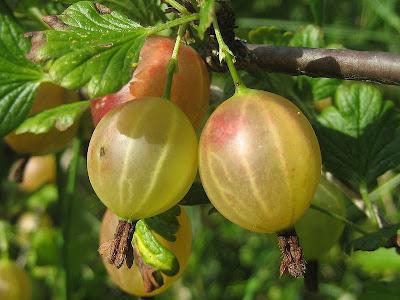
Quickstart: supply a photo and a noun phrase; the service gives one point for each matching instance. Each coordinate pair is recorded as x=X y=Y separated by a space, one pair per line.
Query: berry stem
x=179 y=7
x=226 y=53
x=292 y=261
x=370 y=209
x=339 y=218
x=173 y=23
x=173 y=64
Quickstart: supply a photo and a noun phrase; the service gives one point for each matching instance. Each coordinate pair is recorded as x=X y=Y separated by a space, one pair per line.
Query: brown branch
x=378 y=67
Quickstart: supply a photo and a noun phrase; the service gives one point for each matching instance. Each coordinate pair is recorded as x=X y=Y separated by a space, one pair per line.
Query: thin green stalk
x=226 y=53
x=66 y=193
x=173 y=62
x=173 y=23
x=339 y=218
x=179 y=7
x=365 y=196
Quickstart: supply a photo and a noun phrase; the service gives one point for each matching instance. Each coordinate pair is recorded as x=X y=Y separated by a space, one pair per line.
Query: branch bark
x=377 y=67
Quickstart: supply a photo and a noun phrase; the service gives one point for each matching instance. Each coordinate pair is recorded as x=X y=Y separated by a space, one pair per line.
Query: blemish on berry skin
x=102 y=151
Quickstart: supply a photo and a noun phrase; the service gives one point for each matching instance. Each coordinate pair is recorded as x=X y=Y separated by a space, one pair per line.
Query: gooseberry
x=38 y=171
x=130 y=280
x=190 y=86
x=142 y=158
x=259 y=161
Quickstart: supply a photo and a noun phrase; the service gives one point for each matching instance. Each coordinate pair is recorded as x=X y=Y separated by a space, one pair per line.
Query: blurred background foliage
x=227 y=262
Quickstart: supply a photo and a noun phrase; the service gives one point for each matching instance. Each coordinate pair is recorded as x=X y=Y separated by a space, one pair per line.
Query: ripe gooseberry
x=130 y=280
x=190 y=87
x=38 y=171
x=14 y=282
x=48 y=96
x=142 y=158
x=317 y=231
x=260 y=161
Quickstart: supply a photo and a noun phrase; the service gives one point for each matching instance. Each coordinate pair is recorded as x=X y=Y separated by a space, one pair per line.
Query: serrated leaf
x=61 y=117
x=375 y=240
x=19 y=78
x=91 y=46
x=206 y=14
x=152 y=251
x=359 y=135
x=165 y=224
x=311 y=36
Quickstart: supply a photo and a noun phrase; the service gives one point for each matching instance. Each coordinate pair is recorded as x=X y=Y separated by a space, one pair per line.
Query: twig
x=378 y=67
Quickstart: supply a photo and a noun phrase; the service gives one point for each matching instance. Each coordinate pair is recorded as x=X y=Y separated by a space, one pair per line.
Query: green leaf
x=152 y=251
x=380 y=261
x=165 y=224
x=19 y=78
x=91 y=46
x=324 y=87
x=61 y=117
x=311 y=36
x=370 y=242
x=147 y=12
x=207 y=12
x=359 y=135
x=270 y=35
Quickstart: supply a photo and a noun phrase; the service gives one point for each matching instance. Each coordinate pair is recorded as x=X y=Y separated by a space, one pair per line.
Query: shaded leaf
x=196 y=195
x=375 y=240
x=19 y=78
x=165 y=224
x=61 y=117
x=360 y=134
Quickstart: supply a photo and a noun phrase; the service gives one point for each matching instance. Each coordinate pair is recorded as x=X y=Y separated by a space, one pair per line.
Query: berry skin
x=190 y=87
x=259 y=161
x=142 y=158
